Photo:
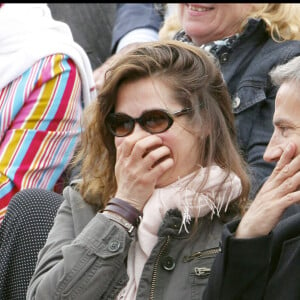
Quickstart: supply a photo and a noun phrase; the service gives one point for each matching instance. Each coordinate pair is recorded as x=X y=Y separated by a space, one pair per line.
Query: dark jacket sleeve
x=240 y=270
x=130 y=16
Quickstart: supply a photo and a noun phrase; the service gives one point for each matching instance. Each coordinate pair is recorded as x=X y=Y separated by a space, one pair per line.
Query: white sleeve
x=137 y=36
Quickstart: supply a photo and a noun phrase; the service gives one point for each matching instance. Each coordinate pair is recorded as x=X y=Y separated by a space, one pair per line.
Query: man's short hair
x=289 y=71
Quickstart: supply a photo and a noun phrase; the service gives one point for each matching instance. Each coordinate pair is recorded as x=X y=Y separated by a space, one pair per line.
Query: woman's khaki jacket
x=85 y=257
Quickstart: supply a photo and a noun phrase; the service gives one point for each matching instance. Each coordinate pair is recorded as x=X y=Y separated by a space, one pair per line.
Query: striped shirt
x=39 y=126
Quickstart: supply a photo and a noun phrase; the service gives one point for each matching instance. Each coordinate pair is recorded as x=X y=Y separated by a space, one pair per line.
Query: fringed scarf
x=185 y=195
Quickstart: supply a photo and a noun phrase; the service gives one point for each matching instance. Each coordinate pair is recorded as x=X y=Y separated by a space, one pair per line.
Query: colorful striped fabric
x=40 y=115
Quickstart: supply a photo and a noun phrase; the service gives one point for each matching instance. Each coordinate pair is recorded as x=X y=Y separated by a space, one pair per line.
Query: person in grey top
x=161 y=173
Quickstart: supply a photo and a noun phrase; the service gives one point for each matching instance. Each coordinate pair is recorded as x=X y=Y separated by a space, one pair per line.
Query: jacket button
x=224 y=57
x=168 y=263
x=236 y=102
x=114 y=246
x=176 y=225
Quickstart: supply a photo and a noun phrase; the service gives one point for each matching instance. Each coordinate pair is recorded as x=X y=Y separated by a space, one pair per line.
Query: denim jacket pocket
x=247 y=96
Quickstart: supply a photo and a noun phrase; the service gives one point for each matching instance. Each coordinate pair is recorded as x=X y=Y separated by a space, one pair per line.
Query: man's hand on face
x=279 y=192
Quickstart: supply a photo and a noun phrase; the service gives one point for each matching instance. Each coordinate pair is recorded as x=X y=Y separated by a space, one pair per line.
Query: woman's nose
x=139 y=130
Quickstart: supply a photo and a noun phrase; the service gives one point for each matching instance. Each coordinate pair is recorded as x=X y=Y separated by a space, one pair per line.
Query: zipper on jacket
x=203 y=254
x=202 y=272
x=155 y=268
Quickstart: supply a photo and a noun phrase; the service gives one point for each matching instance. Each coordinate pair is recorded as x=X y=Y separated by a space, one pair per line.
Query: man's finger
x=285 y=159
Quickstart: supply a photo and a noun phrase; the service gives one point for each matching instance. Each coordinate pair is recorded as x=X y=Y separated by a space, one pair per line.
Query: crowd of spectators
x=71 y=99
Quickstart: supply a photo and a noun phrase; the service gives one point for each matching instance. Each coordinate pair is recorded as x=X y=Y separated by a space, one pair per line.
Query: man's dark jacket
x=261 y=268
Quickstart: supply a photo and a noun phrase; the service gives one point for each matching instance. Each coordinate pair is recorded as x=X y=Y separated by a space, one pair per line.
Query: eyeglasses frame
x=138 y=120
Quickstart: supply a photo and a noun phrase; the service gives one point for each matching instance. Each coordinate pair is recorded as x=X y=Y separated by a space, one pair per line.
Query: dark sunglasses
x=152 y=121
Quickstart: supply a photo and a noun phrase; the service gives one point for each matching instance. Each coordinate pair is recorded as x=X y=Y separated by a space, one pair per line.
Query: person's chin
x=164 y=180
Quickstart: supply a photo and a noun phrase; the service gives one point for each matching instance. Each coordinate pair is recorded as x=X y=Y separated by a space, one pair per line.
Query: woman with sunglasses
x=161 y=173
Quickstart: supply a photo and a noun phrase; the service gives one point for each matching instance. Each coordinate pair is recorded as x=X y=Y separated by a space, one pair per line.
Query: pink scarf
x=183 y=194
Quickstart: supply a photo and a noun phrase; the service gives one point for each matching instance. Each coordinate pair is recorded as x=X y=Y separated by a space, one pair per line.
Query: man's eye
x=283 y=129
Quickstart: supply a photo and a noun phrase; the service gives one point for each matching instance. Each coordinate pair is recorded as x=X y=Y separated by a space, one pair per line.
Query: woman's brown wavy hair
x=195 y=80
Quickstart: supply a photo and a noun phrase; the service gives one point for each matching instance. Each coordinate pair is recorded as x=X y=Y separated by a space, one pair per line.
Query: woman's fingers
x=141 y=160
x=155 y=156
x=137 y=145
x=147 y=154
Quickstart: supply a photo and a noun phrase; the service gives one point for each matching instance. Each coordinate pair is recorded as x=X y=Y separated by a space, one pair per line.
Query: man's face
x=286 y=121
